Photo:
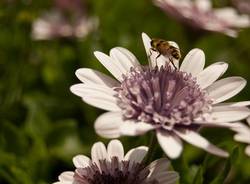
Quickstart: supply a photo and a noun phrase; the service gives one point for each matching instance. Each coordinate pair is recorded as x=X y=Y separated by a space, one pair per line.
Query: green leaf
x=198 y=179
x=224 y=173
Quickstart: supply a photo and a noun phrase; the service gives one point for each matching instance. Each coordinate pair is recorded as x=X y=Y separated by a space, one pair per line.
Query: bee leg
x=157 y=58
x=172 y=62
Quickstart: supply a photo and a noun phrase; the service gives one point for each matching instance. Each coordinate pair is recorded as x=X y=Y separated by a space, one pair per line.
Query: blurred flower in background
x=201 y=15
x=174 y=102
x=243 y=134
x=67 y=19
x=242 y=5
x=111 y=166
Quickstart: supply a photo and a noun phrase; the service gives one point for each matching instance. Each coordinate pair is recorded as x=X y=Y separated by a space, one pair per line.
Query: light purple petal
x=222 y=114
x=194 y=62
x=170 y=144
x=98 y=152
x=225 y=88
x=137 y=154
x=81 y=161
x=198 y=141
x=115 y=149
x=108 y=125
x=90 y=76
x=211 y=74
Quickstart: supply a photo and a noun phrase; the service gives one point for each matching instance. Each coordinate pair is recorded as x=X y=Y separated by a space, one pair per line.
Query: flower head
x=173 y=102
x=200 y=14
x=242 y=5
x=111 y=166
x=57 y=23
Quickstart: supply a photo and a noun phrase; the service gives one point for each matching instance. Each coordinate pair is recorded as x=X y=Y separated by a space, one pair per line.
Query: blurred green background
x=43 y=125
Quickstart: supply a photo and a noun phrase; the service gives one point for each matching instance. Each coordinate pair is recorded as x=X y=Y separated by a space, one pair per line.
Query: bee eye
x=152 y=43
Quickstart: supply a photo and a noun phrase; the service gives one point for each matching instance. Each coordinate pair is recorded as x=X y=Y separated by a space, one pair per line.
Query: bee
x=165 y=48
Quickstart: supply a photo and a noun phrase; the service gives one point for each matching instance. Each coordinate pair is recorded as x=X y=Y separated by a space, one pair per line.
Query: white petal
x=132 y=128
x=98 y=152
x=102 y=103
x=215 y=124
x=115 y=149
x=203 y=5
x=211 y=74
x=84 y=90
x=108 y=124
x=194 y=62
x=199 y=141
x=137 y=154
x=248 y=120
x=124 y=59
x=146 y=41
x=109 y=64
x=170 y=177
x=67 y=176
x=90 y=76
x=234 y=104
x=225 y=88
x=170 y=144
x=81 y=161
x=247 y=150
x=96 y=95
x=245 y=138
x=160 y=165
x=228 y=114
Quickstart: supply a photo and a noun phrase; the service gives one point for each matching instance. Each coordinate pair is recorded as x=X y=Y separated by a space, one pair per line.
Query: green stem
x=152 y=148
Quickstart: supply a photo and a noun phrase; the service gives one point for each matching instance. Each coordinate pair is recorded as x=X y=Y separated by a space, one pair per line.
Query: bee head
x=154 y=43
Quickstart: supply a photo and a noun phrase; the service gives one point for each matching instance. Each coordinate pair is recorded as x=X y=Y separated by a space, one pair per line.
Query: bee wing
x=174 y=44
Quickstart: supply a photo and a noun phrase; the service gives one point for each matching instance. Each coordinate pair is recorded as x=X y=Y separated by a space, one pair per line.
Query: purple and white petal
x=225 y=88
x=170 y=177
x=132 y=128
x=108 y=125
x=170 y=144
x=90 y=76
x=158 y=166
x=204 y=5
x=210 y=74
x=115 y=149
x=233 y=104
x=81 y=161
x=137 y=154
x=110 y=64
x=194 y=62
x=96 y=95
x=67 y=176
x=98 y=152
x=222 y=114
x=125 y=60
x=199 y=141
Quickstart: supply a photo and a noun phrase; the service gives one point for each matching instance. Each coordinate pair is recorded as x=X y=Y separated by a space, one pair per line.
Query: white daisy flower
x=200 y=14
x=242 y=5
x=173 y=102
x=243 y=134
x=56 y=23
x=111 y=166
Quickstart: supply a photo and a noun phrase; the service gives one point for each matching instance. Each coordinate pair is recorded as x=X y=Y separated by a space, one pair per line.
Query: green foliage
x=43 y=125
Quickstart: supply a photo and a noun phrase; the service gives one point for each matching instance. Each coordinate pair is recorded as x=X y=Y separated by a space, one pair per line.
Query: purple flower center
x=113 y=172
x=164 y=97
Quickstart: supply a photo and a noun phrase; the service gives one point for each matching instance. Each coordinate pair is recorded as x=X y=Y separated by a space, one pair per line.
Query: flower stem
x=152 y=148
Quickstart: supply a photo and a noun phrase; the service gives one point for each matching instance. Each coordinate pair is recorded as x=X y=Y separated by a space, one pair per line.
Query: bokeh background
x=43 y=125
